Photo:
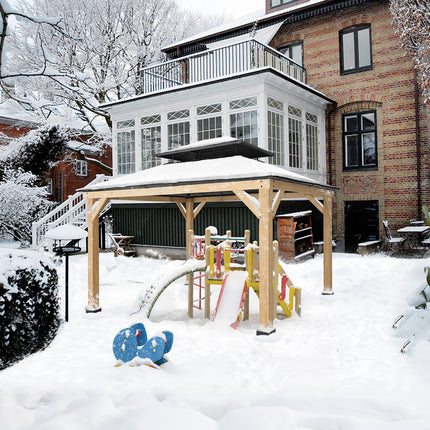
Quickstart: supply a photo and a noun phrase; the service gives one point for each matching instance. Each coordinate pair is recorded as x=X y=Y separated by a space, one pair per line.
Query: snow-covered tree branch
x=97 y=57
x=411 y=19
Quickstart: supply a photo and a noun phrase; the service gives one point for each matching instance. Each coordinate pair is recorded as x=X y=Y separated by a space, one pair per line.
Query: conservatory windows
x=150 y=141
x=356 y=49
x=275 y=130
x=178 y=132
x=209 y=124
x=359 y=137
x=125 y=138
x=295 y=144
x=311 y=141
x=244 y=123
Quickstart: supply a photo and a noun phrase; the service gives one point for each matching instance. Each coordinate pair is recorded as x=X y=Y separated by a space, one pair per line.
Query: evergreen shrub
x=29 y=304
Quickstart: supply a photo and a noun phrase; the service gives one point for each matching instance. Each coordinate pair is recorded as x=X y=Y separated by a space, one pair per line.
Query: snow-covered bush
x=21 y=203
x=29 y=304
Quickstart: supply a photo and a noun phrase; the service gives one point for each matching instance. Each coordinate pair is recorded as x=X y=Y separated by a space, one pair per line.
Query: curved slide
x=149 y=298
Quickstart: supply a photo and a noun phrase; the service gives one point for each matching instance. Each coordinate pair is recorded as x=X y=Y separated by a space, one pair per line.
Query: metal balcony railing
x=216 y=63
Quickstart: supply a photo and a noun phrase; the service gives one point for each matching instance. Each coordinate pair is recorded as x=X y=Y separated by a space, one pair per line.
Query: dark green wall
x=164 y=225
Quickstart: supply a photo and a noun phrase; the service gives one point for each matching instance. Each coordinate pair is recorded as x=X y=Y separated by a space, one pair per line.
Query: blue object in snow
x=133 y=342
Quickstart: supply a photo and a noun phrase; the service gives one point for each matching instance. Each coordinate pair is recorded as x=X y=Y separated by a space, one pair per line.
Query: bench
x=369 y=247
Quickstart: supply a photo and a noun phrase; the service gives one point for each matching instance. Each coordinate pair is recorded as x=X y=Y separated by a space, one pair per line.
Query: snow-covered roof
x=205 y=171
x=81 y=146
x=255 y=17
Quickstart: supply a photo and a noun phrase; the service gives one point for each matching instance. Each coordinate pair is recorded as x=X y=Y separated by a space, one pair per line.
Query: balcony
x=218 y=63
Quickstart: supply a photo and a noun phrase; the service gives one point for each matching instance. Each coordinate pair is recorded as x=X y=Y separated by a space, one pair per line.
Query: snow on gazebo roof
x=227 y=169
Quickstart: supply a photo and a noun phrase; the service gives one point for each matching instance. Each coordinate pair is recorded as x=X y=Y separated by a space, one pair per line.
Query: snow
x=66 y=232
x=337 y=367
x=228 y=168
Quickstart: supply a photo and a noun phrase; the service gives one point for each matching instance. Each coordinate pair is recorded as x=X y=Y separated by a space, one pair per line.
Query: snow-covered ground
x=337 y=367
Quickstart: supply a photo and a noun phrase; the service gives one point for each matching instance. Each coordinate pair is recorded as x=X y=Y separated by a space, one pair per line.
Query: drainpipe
x=418 y=145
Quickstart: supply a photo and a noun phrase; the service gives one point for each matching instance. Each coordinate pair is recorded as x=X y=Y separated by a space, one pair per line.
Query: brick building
x=324 y=84
x=80 y=166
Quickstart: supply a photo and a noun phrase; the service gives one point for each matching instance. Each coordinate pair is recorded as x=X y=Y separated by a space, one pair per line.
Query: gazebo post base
x=327 y=292
x=265 y=332
x=92 y=311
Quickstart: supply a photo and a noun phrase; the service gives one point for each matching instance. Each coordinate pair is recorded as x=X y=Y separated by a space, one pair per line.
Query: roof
x=258 y=17
x=237 y=168
x=215 y=148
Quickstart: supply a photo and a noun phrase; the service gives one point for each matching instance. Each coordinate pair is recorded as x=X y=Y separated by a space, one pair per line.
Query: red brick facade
x=400 y=183
x=64 y=179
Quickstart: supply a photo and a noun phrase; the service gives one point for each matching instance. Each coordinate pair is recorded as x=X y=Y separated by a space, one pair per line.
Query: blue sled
x=133 y=342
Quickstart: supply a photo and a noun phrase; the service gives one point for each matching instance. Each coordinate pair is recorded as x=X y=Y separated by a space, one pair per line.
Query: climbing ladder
x=72 y=211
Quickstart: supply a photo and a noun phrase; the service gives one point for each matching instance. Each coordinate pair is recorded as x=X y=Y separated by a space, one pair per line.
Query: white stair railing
x=72 y=211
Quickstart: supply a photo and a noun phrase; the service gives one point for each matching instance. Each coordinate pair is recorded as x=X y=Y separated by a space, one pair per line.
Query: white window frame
x=81 y=168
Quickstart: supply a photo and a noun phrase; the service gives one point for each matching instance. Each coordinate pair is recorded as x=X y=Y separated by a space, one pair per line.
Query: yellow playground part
x=226 y=254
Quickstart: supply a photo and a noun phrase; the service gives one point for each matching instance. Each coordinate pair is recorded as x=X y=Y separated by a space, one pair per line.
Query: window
x=244 y=124
x=294 y=52
x=276 y=3
x=275 y=130
x=81 y=168
x=178 y=132
x=311 y=141
x=295 y=144
x=209 y=126
x=125 y=140
x=48 y=186
x=359 y=137
x=150 y=139
x=356 y=49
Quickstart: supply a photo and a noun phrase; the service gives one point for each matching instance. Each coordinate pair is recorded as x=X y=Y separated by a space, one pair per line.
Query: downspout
x=418 y=145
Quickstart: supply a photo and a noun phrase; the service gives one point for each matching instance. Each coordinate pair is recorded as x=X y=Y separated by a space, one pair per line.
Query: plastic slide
x=157 y=287
x=231 y=298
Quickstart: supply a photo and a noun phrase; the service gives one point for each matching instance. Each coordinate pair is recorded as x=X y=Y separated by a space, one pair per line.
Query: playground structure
x=233 y=264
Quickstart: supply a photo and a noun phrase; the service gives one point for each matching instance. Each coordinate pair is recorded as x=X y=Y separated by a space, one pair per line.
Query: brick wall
x=389 y=88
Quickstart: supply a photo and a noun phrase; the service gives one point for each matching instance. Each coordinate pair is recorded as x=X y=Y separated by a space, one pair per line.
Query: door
x=361 y=223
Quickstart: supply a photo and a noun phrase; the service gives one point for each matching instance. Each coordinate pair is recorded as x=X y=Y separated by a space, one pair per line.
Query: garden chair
x=391 y=243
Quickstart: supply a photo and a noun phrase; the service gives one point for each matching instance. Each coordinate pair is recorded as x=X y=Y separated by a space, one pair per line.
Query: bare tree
x=411 y=19
x=98 y=56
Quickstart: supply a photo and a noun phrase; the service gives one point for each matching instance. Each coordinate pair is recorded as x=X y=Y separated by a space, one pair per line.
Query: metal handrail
x=216 y=63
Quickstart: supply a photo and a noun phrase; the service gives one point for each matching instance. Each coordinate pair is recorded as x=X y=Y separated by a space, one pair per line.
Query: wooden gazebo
x=260 y=186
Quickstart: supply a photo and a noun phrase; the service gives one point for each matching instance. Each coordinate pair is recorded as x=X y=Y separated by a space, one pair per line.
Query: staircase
x=72 y=211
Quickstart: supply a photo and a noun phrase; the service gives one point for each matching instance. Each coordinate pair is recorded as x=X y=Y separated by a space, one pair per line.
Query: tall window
x=150 y=140
x=178 y=128
x=244 y=123
x=311 y=141
x=359 y=137
x=126 y=146
x=81 y=168
x=209 y=123
x=295 y=144
x=356 y=49
x=275 y=130
x=294 y=52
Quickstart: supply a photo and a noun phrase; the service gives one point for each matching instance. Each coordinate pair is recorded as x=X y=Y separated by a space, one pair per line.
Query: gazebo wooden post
x=266 y=292
x=189 y=221
x=328 y=263
x=93 y=253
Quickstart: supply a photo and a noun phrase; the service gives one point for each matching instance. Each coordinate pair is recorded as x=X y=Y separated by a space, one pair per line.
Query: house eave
x=186 y=87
